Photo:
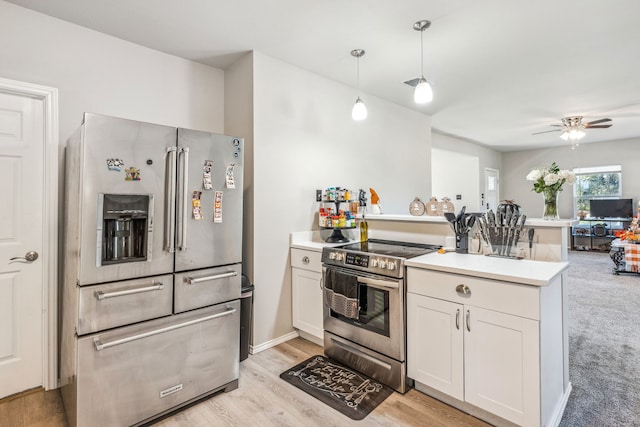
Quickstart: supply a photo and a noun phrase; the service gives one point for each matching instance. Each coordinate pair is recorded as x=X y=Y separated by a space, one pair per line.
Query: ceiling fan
x=572 y=127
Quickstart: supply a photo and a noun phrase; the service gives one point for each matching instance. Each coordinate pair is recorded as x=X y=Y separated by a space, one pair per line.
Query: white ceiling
x=501 y=69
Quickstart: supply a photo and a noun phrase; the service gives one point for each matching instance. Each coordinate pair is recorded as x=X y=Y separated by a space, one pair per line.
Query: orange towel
x=631 y=257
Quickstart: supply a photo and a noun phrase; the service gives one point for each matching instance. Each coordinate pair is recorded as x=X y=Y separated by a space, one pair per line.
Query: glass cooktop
x=391 y=248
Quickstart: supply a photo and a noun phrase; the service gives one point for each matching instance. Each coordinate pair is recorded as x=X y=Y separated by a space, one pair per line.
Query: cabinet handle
x=463 y=289
x=458 y=319
x=305 y=260
x=468 y=321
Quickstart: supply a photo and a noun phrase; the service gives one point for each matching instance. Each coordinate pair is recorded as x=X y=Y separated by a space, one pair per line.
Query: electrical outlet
x=318 y=195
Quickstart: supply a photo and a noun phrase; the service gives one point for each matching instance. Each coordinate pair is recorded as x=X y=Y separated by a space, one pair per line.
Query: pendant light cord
x=358 y=77
x=421 y=55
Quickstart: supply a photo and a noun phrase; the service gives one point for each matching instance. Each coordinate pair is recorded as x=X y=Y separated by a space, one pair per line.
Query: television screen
x=611 y=208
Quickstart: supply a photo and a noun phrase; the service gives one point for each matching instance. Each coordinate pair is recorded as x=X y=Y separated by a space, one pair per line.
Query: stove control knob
x=391 y=265
x=383 y=263
x=374 y=262
x=332 y=255
x=339 y=256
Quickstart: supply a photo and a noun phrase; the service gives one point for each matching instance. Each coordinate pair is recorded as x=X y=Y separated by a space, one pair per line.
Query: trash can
x=246 y=311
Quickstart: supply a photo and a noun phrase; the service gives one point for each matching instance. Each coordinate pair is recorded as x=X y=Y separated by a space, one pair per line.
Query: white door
x=491 y=189
x=21 y=232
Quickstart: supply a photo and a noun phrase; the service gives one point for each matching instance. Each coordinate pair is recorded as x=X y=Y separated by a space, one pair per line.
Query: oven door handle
x=376 y=283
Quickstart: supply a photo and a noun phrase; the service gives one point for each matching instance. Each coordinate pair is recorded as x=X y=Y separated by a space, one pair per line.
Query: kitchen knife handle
x=169 y=206
x=184 y=155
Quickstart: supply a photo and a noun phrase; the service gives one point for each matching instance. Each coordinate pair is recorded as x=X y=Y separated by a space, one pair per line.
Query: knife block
x=462 y=243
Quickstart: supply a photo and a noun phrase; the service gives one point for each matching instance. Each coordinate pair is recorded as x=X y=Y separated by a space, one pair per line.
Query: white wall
x=98 y=73
x=487 y=158
x=238 y=121
x=455 y=174
x=516 y=166
x=303 y=140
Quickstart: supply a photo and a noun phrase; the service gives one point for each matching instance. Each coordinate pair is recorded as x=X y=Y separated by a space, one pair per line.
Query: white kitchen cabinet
x=493 y=348
x=306 y=281
x=435 y=344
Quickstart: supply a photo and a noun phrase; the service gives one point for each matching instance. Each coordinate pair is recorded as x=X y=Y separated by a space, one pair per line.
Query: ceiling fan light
x=359 y=111
x=565 y=135
x=423 y=93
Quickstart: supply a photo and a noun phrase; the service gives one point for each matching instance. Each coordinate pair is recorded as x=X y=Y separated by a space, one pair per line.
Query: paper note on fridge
x=231 y=182
x=217 y=207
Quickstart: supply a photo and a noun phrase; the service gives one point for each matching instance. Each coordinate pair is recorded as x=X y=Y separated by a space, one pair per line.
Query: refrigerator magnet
x=206 y=175
x=196 y=205
x=231 y=182
x=132 y=174
x=115 y=165
x=217 y=207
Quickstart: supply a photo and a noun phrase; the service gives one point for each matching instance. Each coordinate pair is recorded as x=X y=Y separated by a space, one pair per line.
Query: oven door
x=380 y=324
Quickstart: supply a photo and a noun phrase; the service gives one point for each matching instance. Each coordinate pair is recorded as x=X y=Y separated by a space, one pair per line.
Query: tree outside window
x=603 y=182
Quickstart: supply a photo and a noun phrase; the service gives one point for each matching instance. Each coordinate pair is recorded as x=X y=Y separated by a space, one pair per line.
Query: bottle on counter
x=364 y=229
x=322 y=218
x=342 y=220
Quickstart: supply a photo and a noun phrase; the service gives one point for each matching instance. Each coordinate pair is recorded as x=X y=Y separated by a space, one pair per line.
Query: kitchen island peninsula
x=486 y=335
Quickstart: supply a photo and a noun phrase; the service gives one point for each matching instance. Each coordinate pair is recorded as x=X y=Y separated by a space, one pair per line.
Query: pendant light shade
x=359 y=111
x=423 y=93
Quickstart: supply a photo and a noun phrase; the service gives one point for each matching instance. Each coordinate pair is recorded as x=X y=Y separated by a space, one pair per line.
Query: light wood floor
x=261 y=400
x=32 y=408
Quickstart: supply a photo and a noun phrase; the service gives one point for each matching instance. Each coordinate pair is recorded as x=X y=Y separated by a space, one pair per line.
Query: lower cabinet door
x=435 y=344
x=502 y=365
x=130 y=374
x=307 y=301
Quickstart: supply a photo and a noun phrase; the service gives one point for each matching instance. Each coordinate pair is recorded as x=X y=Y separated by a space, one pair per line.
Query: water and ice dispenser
x=125 y=226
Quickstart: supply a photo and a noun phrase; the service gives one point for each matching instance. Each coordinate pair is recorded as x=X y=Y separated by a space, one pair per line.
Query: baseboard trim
x=562 y=404
x=272 y=343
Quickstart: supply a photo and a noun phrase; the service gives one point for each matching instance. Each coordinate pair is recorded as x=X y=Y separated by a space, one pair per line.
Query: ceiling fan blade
x=597 y=126
x=547 y=131
x=595 y=122
x=559 y=126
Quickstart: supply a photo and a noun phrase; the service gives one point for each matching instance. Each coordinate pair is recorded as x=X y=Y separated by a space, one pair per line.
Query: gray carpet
x=604 y=344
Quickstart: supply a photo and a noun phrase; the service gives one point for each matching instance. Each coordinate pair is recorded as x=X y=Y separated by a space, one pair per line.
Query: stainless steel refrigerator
x=152 y=269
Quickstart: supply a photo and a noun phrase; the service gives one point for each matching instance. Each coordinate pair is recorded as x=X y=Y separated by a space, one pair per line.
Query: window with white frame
x=600 y=182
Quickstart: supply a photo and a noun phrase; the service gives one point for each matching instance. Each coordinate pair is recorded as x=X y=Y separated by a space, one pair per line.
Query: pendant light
x=423 y=92
x=359 y=111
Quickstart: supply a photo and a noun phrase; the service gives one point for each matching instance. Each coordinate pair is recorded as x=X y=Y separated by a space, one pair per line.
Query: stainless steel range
x=364 y=307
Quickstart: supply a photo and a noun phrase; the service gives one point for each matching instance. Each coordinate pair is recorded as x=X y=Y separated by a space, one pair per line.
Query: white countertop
x=536 y=273
x=311 y=240
x=531 y=222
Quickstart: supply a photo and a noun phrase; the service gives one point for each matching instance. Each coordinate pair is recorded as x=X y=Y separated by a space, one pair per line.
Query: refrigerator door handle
x=101 y=346
x=195 y=281
x=170 y=196
x=101 y=295
x=184 y=208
